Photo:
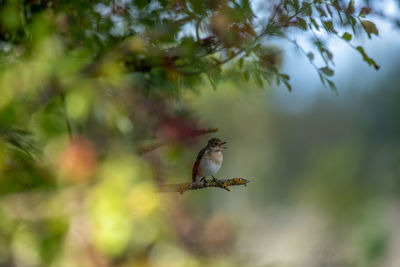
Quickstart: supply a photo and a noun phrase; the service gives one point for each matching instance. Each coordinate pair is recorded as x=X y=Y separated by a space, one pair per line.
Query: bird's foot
x=214 y=179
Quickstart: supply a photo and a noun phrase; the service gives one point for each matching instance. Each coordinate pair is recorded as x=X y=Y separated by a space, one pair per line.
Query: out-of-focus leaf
x=327 y=6
x=364 y=11
x=310 y=55
x=314 y=23
x=241 y=60
x=350 y=7
x=321 y=11
x=327 y=71
x=352 y=22
x=246 y=75
x=52 y=239
x=332 y=86
x=321 y=78
x=347 y=36
x=285 y=79
x=302 y=24
x=296 y=5
x=328 y=25
x=288 y=86
x=370 y=27
x=306 y=8
x=366 y=58
x=214 y=77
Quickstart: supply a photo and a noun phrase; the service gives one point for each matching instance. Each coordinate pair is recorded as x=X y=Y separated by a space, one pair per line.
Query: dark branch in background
x=157 y=144
x=221 y=183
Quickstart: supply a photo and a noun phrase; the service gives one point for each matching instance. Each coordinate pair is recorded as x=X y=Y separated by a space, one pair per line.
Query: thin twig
x=221 y=183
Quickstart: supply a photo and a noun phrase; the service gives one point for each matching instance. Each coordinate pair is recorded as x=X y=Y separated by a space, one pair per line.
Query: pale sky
x=350 y=70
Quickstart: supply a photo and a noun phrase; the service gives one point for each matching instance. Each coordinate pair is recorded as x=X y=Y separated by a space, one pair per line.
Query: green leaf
x=321 y=11
x=241 y=60
x=310 y=55
x=332 y=86
x=347 y=36
x=284 y=76
x=306 y=9
x=370 y=27
x=350 y=7
x=259 y=81
x=366 y=58
x=285 y=79
x=327 y=71
x=328 y=25
x=329 y=55
x=296 y=5
x=314 y=23
x=352 y=21
x=214 y=77
x=302 y=24
x=257 y=77
x=321 y=78
x=329 y=10
x=289 y=87
x=246 y=76
x=364 y=11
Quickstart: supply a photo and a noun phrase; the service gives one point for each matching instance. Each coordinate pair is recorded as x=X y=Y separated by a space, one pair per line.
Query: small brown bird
x=208 y=161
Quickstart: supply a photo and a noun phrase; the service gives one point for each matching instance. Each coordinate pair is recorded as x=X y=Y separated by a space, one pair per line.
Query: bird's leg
x=203 y=179
x=214 y=179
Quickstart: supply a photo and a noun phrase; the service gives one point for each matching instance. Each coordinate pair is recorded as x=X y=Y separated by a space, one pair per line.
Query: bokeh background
x=79 y=188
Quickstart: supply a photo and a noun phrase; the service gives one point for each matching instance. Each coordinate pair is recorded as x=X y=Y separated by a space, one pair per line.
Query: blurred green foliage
x=85 y=86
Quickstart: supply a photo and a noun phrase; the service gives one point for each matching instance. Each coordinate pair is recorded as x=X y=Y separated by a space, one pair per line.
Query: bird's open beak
x=222 y=144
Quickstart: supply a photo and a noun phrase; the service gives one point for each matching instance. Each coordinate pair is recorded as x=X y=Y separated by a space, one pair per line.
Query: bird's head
x=216 y=144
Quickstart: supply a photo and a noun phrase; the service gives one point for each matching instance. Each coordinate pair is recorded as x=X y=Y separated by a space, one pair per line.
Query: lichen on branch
x=221 y=183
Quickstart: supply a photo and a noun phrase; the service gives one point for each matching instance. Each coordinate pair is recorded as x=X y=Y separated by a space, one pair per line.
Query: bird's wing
x=197 y=164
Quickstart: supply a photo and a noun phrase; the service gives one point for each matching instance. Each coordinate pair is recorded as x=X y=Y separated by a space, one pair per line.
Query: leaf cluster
x=169 y=45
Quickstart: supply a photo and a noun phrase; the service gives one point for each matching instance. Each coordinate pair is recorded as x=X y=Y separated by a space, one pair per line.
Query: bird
x=208 y=161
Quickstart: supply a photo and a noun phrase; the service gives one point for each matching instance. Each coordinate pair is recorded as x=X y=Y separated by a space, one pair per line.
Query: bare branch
x=221 y=183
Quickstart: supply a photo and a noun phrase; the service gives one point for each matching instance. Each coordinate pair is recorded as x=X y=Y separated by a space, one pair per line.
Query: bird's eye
x=215 y=144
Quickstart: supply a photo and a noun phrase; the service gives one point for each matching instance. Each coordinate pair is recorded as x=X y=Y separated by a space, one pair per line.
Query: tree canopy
x=167 y=45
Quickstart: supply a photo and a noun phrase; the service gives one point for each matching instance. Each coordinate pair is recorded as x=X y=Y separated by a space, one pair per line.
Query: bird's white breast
x=210 y=165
